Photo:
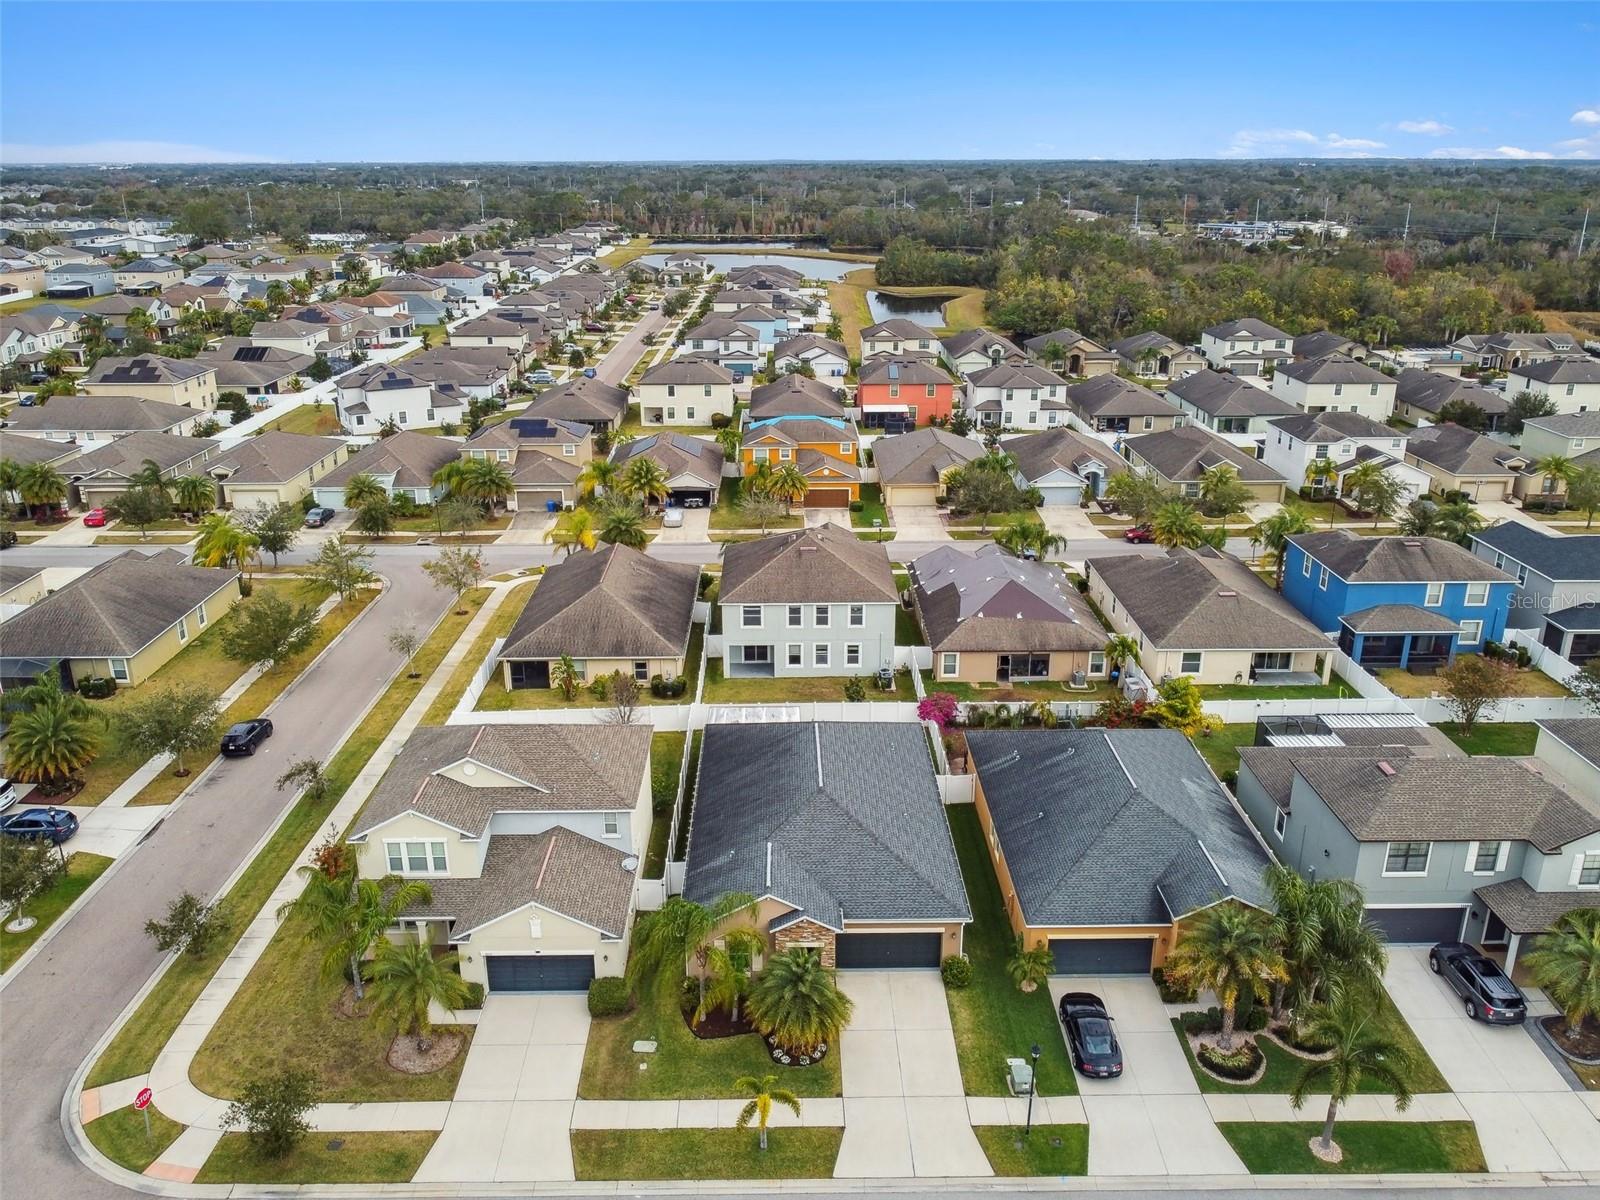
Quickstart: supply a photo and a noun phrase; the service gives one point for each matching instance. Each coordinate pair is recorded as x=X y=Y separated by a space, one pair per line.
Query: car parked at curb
x=244 y=737
x=1141 y=534
x=1486 y=992
x=53 y=825
x=1091 y=1037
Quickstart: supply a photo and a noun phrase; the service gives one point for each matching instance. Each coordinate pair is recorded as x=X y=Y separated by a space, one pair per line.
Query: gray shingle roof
x=1114 y=827
x=1334 y=427
x=581 y=399
x=113 y=610
x=1018 y=375
x=1357 y=559
x=25 y=450
x=1430 y=391
x=686 y=370
x=411 y=457
x=898 y=327
x=1151 y=339
x=114 y=414
x=1571 y=425
x=797 y=346
x=842 y=821
x=1037 y=454
x=1397 y=618
x=1460 y=451
x=1223 y=395
x=677 y=454
x=613 y=602
x=889 y=368
x=1523 y=910
x=1204 y=600
x=1250 y=327
x=795 y=395
x=1333 y=368
x=1322 y=343
x=273 y=457
x=990 y=601
x=1114 y=396
x=922 y=455
x=984 y=340
x=561 y=768
x=146 y=369
x=821 y=565
x=1580 y=734
x=1185 y=453
x=128 y=454
x=1563 y=370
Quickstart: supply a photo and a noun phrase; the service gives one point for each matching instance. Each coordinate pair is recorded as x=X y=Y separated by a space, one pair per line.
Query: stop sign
x=142 y=1100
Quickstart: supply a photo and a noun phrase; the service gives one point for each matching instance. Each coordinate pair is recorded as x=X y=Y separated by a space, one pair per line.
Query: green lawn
x=498 y=626
x=1495 y=737
x=728 y=515
x=691 y=777
x=872 y=506
x=805 y=1153
x=666 y=759
x=390 y=1157
x=683 y=1066
x=134 y=1048
x=1047 y=1150
x=1335 y=689
x=1221 y=747
x=907 y=630
x=994 y=1021
x=1016 y=693
x=796 y=689
x=82 y=870
x=1370 y=1147
x=320 y=420
x=120 y=1136
x=496 y=698
x=1530 y=682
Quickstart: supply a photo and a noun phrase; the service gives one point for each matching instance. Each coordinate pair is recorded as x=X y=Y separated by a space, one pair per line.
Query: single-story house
x=1071 y=353
x=593 y=402
x=912 y=466
x=828 y=358
x=1154 y=355
x=273 y=467
x=403 y=464
x=1112 y=404
x=1420 y=397
x=1459 y=460
x=693 y=465
x=102 y=473
x=974 y=350
x=92 y=419
x=1066 y=466
x=1180 y=458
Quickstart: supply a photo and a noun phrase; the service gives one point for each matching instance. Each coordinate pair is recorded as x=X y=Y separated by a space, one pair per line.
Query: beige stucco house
x=154 y=377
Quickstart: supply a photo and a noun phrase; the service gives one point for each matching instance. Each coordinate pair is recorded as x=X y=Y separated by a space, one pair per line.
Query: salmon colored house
x=903 y=392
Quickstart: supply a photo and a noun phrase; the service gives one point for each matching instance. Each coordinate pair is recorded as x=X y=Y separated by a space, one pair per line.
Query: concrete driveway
x=918 y=523
x=904 y=1109
x=528 y=527
x=1068 y=521
x=512 y=1109
x=1152 y=1120
x=696 y=527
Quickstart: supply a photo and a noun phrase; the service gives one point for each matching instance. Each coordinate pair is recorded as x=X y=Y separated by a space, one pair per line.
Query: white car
x=8 y=794
x=672 y=519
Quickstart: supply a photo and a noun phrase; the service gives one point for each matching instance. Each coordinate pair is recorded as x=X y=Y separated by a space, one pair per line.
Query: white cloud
x=1586 y=116
x=122 y=152
x=1429 y=128
x=1334 y=142
x=1258 y=143
x=1485 y=152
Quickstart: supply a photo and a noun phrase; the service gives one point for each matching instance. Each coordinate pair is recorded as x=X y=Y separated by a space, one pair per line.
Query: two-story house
x=1396 y=601
x=1246 y=346
x=1571 y=384
x=1154 y=355
x=974 y=350
x=153 y=377
x=771 y=325
x=827 y=358
x=1558 y=583
x=817 y=601
x=1293 y=444
x=1325 y=342
x=1112 y=404
x=544 y=458
x=728 y=343
x=1229 y=407
x=529 y=838
x=685 y=391
x=386 y=394
x=1444 y=847
x=1017 y=395
x=899 y=337
x=896 y=394
x=824 y=449
x=1336 y=383
x=1572 y=436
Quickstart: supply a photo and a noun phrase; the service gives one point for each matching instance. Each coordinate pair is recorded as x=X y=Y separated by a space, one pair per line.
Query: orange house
x=898 y=393
x=825 y=449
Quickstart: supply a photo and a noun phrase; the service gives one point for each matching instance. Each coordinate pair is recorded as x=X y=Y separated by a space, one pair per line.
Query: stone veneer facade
x=806 y=933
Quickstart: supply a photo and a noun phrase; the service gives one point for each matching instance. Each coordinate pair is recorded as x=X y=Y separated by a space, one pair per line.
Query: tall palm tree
x=223 y=543
x=796 y=1001
x=1023 y=532
x=1274 y=533
x=1321 y=928
x=1120 y=649
x=790 y=485
x=599 y=476
x=645 y=480
x=363 y=488
x=1362 y=1048
x=1556 y=468
x=149 y=475
x=1230 y=949
x=1458 y=520
x=1318 y=474
x=1177 y=524
x=452 y=477
x=194 y=494
x=680 y=930
x=10 y=482
x=487 y=482
x=346 y=914
x=406 y=980
x=1566 y=964
x=621 y=522
x=41 y=486
x=728 y=971
x=764 y=1096
x=1218 y=482
x=49 y=742
x=573 y=531
x=56 y=360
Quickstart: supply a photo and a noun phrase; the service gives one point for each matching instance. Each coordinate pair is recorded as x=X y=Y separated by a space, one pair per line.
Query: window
x=1435 y=595
x=1305 y=565
x=672 y=413
x=796 y=655
x=428 y=416
x=847 y=449
x=1189 y=664
x=708 y=389
x=1485 y=858
x=1477 y=595
x=852 y=654
x=1322 y=579
x=1322 y=452
x=796 y=616
x=641 y=671
x=688 y=414
x=949 y=664
x=611 y=825
x=502 y=456
x=819 y=654
x=400 y=418
x=1471 y=632
x=1407 y=858
x=1097 y=662
x=858 y=616
x=750 y=616
x=784 y=454
x=1149 y=422
x=672 y=391
x=568 y=449
x=416 y=858
x=1280 y=822
x=1338 y=389
x=1588 y=870
x=201 y=613
x=119 y=670
x=820 y=616
x=183 y=630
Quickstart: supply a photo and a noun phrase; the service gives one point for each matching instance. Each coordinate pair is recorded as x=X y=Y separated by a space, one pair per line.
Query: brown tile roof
x=128 y=453
x=608 y=603
x=821 y=565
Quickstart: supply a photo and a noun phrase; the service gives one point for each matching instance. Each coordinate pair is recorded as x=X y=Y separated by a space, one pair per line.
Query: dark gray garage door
x=887 y=949
x=540 y=972
x=1424 y=925
x=1101 y=956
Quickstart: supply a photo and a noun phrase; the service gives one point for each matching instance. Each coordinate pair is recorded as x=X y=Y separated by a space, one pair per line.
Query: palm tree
x=564 y=677
x=1230 y=949
x=149 y=475
x=790 y=485
x=222 y=543
x=728 y=971
x=1274 y=533
x=1421 y=519
x=1023 y=532
x=759 y=1109
x=41 y=487
x=1458 y=520
x=56 y=360
x=1177 y=524
x=1566 y=964
x=680 y=930
x=621 y=522
x=10 y=481
x=452 y=477
x=732 y=442
x=194 y=494
x=573 y=531
x=1217 y=484
x=1029 y=967
x=645 y=480
x=347 y=914
x=1120 y=649
x=487 y=482
x=599 y=476
x=1362 y=1048
x=362 y=488
x=1318 y=473
x=796 y=1002
x=49 y=742
x=1555 y=468
x=406 y=980
x=1323 y=932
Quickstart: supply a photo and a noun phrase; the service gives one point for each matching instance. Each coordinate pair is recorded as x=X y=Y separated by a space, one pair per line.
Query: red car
x=1140 y=533
x=95 y=518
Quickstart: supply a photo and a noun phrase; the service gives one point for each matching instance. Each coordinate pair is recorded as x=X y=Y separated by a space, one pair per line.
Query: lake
x=722 y=261
x=924 y=310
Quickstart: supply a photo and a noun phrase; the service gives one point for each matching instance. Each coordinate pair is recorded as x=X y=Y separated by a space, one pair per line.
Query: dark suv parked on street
x=1485 y=990
x=244 y=737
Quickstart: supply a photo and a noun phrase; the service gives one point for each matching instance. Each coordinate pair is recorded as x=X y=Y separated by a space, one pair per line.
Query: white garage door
x=1066 y=495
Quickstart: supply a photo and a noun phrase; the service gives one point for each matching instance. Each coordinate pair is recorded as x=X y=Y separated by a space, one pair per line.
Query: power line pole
x=1258 y=210
x=1583 y=234
x=250 y=210
x=1136 y=214
x=1326 y=202
x=1495 y=228
x=1405 y=234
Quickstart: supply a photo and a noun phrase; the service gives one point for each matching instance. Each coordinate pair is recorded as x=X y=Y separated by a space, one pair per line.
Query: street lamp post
x=1033 y=1086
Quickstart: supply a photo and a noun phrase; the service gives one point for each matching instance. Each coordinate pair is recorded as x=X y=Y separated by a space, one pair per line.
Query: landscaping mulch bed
x=1210 y=1042
x=1585 y=1048
x=1283 y=1042
x=718 y=1024
x=348 y=1007
x=404 y=1054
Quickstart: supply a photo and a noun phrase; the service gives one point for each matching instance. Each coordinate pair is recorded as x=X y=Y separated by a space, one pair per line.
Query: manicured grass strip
x=1221 y=748
x=690 y=779
x=1495 y=737
x=704 y=1153
x=794 y=689
x=683 y=1065
x=390 y=1157
x=994 y=1021
x=1335 y=689
x=134 y=1048
x=872 y=506
x=319 y=420
x=1018 y=694
x=120 y=1136
x=1370 y=1147
x=666 y=759
x=499 y=625
x=82 y=870
x=1048 y=1150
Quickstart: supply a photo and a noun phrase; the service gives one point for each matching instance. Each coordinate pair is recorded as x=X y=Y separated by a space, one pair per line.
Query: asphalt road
x=620 y=359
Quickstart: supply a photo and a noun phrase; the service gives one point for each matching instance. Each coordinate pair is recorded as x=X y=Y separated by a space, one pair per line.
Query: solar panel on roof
x=534 y=427
x=250 y=354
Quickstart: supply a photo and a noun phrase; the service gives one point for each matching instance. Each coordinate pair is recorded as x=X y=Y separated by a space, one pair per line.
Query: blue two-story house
x=1396 y=601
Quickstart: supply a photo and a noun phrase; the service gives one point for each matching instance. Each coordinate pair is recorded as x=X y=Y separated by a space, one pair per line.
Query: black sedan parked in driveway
x=1093 y=1042
x=54 y=825
x=1484 y=988
x=244 y=737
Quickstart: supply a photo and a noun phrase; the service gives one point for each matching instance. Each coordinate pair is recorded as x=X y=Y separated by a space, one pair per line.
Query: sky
x=466 y=82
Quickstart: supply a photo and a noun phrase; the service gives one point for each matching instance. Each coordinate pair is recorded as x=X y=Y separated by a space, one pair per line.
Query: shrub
x=600 y=687
x=854 y=689
x=857 y=506
x=706 y=580
x=273 y=1111
x=608 y=997
x=1241 y=1063
x=1302 y=1040
x=956 y=970
x=474 y=995
x=96 y=687
x=1083 y=586
x=668 y=689
x=1251 y=1020
x=1172 y=993
x=720 y=420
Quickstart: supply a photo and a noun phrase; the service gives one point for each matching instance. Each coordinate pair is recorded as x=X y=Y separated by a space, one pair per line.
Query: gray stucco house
x=1558 y=583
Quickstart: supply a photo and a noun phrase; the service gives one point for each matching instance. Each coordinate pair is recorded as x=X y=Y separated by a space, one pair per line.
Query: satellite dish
x=630 y=863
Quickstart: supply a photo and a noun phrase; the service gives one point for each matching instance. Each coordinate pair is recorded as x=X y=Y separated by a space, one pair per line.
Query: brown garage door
x=535 y=500
x=826 y=497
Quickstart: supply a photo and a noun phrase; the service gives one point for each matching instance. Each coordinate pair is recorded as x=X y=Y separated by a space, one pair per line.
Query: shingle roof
x=1584 y=424
x=1114 y=396
x=797 y=428
x=980 y=339
x=557 y=869
x=991 y=601
x=1114 y=827
x=411 y=457
x=1322 y=343
x=1357 y=559
x=898 y=327
x=1334 y=427
x=1579 y=734
x=1379 y=798
x=921 y=456
x=1577 y=618
x=686 y=370
x=273 y=457
x=825 y=564
x=127 y=454
x=1397 y=618
x=1333 y=368
x=795 y=394
x=842 y=821
x=613 y=602
x=1151 y=339
x=715 y=329
x=530 y=432
x=25 y=450
x=1250 y=327
x=1431 y=391
x=556 y=768
x=1562 y=370
x=1062 y=337
x=797 y=346
x=1037 y=454
x=581 y=399
x=677 y=454
x=1460 y=451
x=1187 y=452
x=111 y=413
x=1204 y=600
x=1019 y=375
x=888 y=368
x=1523 y=910
x=146 y=369
x=1223 y=395
x=115 y=609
